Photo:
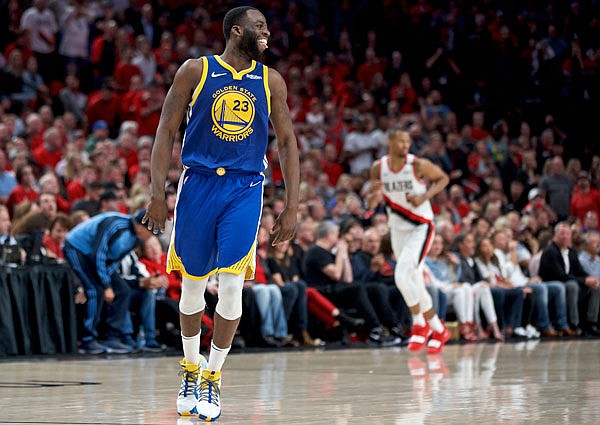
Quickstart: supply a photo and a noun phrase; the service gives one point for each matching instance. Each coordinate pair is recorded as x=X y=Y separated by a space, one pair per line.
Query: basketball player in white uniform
x=398 y=180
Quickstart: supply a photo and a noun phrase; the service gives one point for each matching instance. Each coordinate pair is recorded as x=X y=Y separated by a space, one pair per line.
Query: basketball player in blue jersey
x=229 y=100
x=401 y=180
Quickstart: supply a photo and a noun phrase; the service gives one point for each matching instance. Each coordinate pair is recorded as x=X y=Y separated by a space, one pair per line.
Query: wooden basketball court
x=529 y=382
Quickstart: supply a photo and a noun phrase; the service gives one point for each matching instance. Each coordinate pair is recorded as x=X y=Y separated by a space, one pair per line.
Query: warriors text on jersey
x=396 y=186
x=228 y=118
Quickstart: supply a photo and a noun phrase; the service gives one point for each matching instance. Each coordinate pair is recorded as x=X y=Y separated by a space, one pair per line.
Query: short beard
x=249 y=45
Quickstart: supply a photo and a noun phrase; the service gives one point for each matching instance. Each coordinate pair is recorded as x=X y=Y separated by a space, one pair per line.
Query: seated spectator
x=98 y=133
x=541 y=294
x=51 y=183
x=167 y=299
x=468 y=272
x=77 y=187
x=57 y=234
x=142 y=289
x=29 y=231
x=47 y=204
x=94 y=249
x=460 y=294
x=458 y=202
x=24 y=190
x=591 y=265
x=366 y=265
x=269 y=298
x=590 y=222
x=90 y=203
x=8 y=180
x=10 y=251
x=285 y=273
x=109 y=202
x=155 y=261
x=559 y=262
x=508 y=300
x=332 y=276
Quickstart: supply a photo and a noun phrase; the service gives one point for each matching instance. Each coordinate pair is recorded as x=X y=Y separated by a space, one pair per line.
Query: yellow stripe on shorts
x=245 y=265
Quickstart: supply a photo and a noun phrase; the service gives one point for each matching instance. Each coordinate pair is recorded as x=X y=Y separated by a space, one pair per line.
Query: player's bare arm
x=433 y=173
x=375 y=194
x=285 y=225
x=173 y=111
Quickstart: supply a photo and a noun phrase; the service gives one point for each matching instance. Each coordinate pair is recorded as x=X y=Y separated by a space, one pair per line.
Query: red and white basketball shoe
x=437 y=341
x=418 y=338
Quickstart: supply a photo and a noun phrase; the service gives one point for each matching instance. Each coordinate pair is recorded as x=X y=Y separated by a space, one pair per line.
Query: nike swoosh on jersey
x=255 y=183
x=217 y=75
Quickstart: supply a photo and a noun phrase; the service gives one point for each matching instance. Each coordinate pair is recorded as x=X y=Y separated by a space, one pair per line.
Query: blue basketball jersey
x=228 y=118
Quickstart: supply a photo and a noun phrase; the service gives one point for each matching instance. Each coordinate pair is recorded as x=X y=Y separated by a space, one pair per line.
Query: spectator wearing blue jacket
x=94 y=249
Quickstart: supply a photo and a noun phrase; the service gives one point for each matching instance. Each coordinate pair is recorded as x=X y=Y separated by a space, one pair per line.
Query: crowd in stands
x=501 y=95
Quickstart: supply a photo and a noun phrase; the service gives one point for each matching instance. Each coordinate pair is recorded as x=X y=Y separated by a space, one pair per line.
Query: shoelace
x=189 y=382
x=210 y=391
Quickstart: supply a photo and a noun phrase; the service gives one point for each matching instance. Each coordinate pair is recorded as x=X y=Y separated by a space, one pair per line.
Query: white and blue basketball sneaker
x=187 y=399
x=209 y=404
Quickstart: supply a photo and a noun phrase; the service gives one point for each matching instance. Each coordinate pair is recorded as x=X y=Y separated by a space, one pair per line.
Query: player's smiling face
x=255 y=35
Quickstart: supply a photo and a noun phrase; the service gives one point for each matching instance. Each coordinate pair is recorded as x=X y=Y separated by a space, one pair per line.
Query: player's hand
x=284 y=227
x=415 y=200
x=156 y=215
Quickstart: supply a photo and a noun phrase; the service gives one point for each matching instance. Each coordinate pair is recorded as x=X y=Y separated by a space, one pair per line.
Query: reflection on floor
x=529 y=382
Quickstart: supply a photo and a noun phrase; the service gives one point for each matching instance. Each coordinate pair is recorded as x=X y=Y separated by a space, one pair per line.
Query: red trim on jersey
x=406 y=213
x=428 y=242
x=389 y=165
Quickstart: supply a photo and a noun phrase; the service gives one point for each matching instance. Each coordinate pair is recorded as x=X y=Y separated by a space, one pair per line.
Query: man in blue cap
x=94 y=249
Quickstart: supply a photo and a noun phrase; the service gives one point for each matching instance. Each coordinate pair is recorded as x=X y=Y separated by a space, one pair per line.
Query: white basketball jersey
x=396 y=186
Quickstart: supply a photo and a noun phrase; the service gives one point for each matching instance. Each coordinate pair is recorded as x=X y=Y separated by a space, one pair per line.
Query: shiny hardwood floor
x=538 y=383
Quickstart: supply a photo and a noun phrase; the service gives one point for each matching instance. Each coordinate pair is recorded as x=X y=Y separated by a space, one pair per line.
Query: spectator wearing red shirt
x=147 y=108
x=136 y=87
x=330 y=166
x=369 y=68
x=50 y=183
x=50 y=152
x=76 y=189
x=128 y=148
x=585 y=198
x=53 y=240
x=35 y=130
x=104 y=105
x=458 y=201
x=23 y=43
x=477 y=131
x=164 y=53
x=405 y=94
x=274 y=164
x=24 y=190
x=155 y=261
x=125 y=70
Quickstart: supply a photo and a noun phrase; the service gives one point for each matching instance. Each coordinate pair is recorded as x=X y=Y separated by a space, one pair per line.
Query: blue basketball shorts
x=215 y=225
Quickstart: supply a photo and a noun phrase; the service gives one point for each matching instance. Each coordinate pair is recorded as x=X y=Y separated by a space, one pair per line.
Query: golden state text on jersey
x=228 y=118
